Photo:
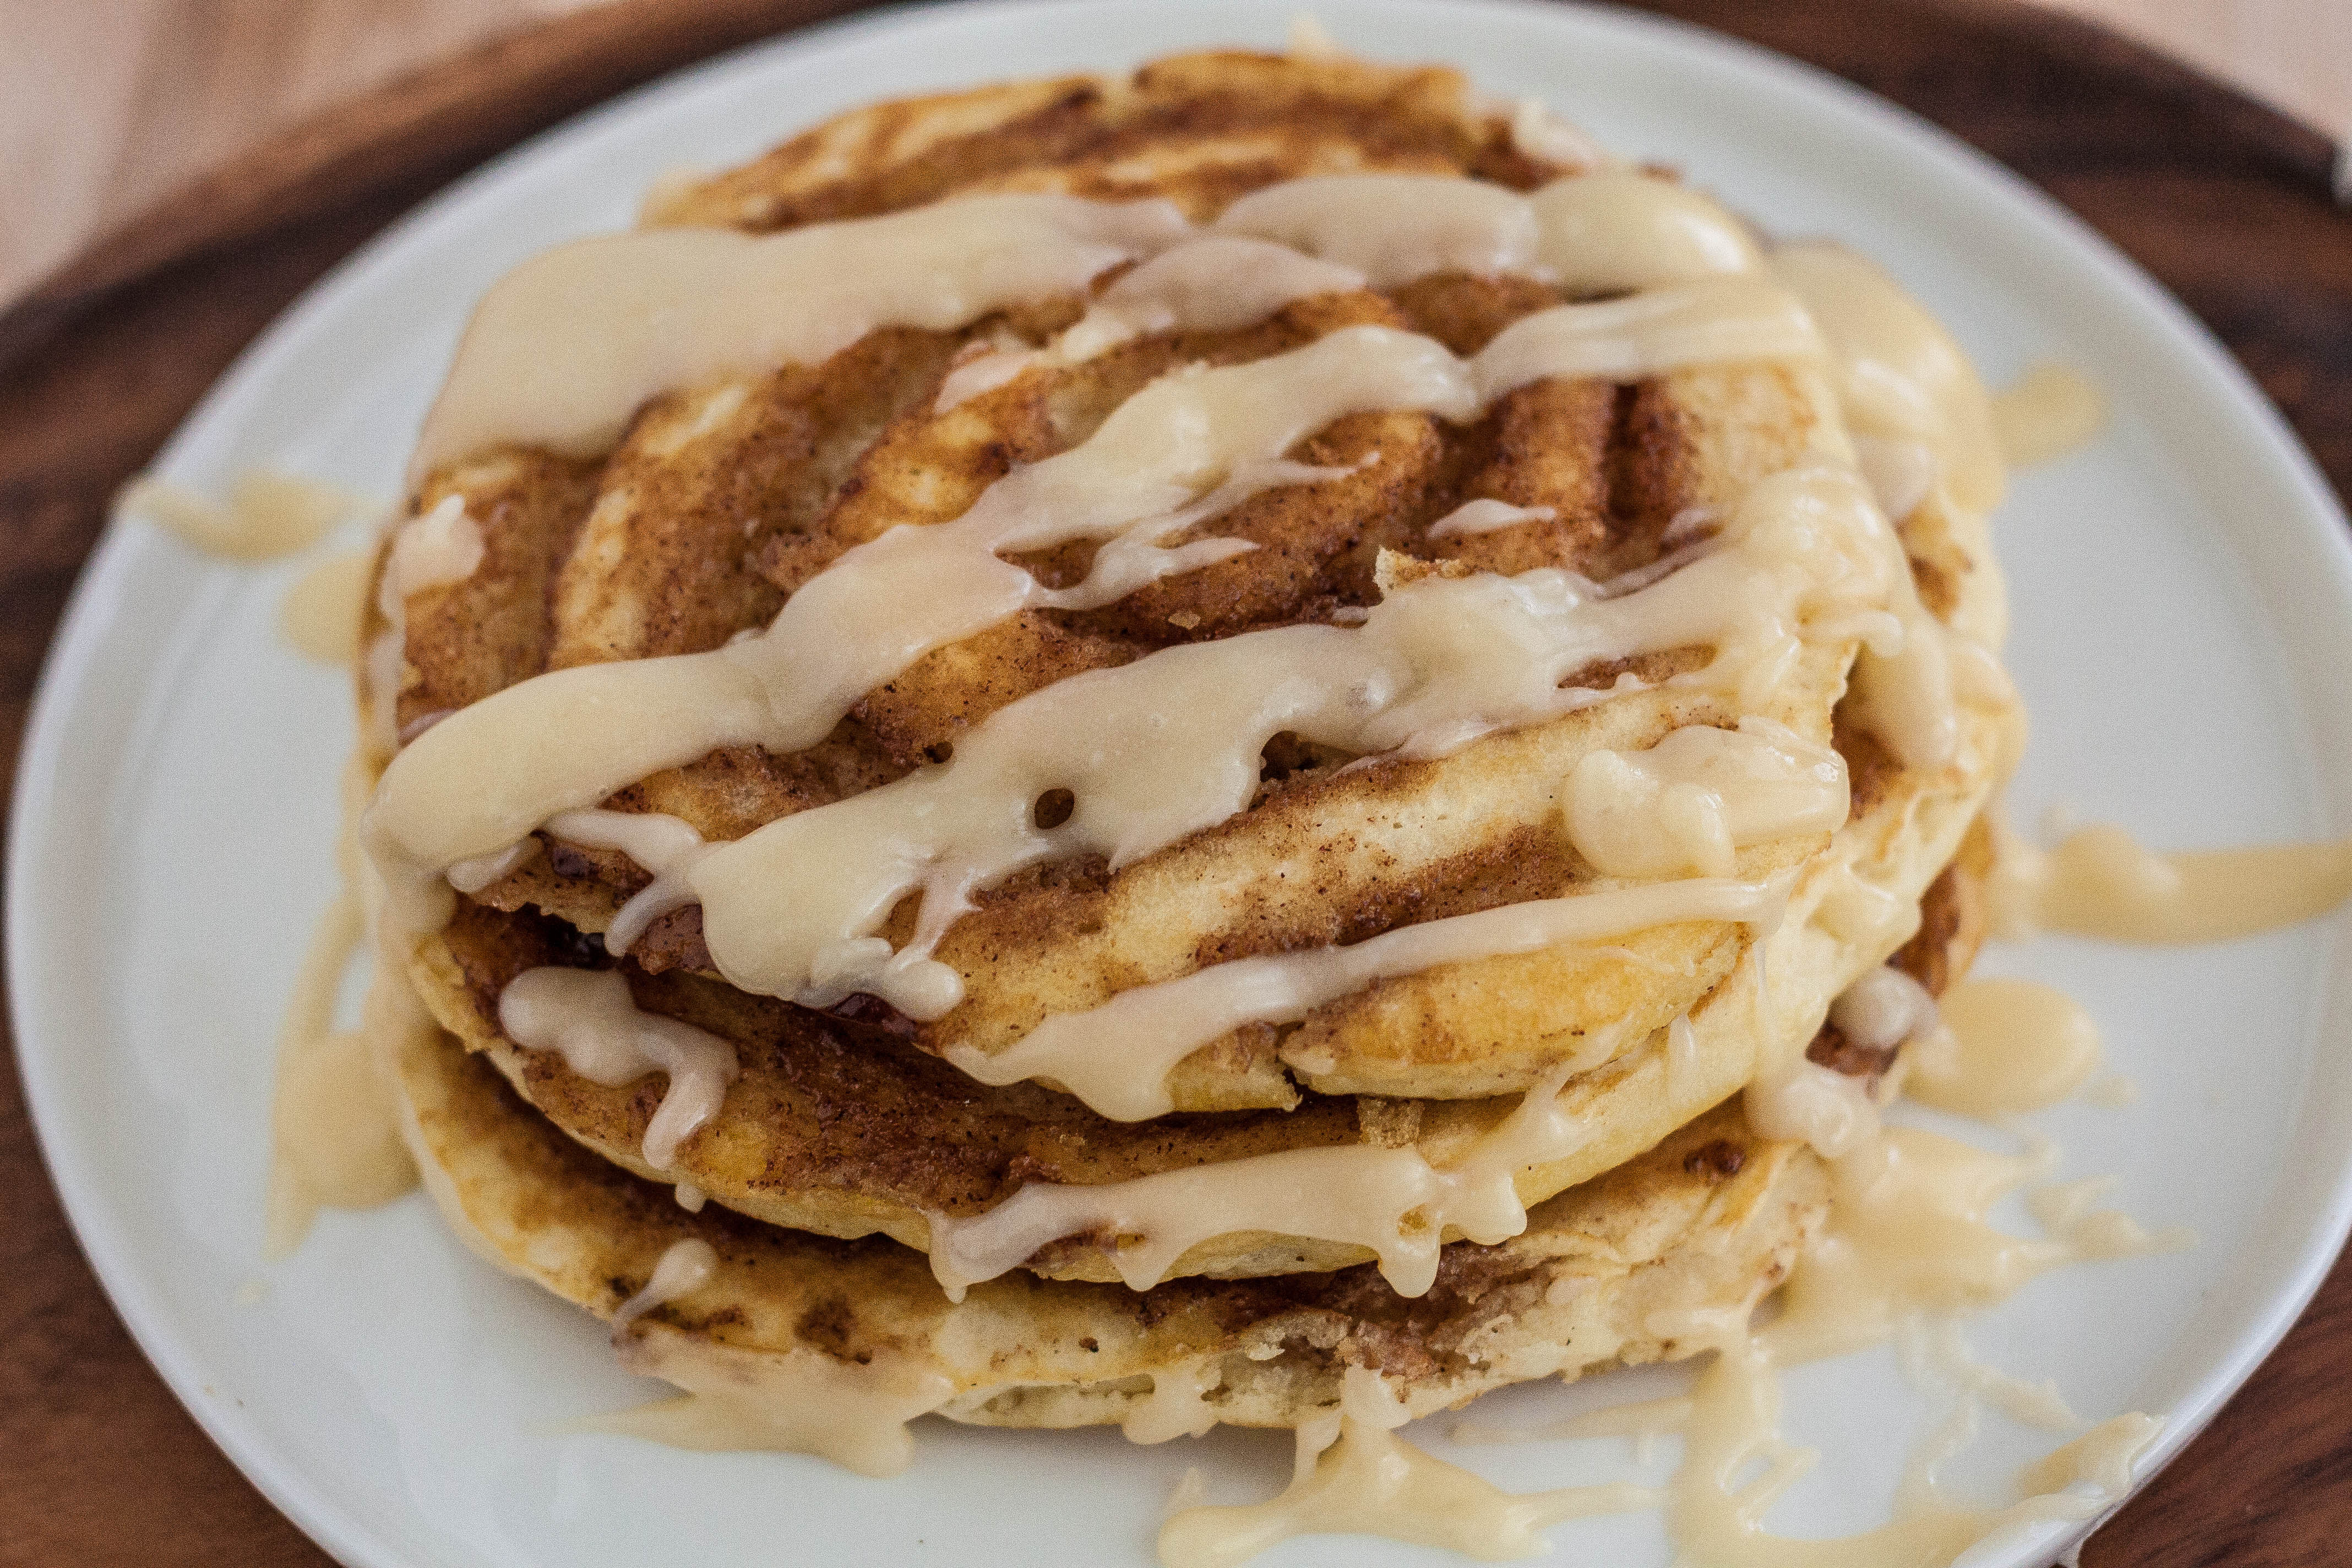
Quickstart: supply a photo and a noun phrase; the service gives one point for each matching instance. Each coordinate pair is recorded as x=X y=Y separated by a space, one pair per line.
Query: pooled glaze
x=335 y=1139
x=321 y=616
x=2100 y=883
x=2054 y=410
x=1735 y=1418
x=2006 y=1047
x=1373 y=1482
x=268 y=514
x=797 y=1401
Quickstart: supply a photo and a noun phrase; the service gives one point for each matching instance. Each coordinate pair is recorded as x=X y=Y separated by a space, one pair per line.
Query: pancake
x=1706 y=1223
x=722 y=500
x=1199 y=129
x=1239 y=697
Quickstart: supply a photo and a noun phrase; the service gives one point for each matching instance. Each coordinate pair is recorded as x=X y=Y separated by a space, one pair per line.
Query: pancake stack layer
x=1093 y=751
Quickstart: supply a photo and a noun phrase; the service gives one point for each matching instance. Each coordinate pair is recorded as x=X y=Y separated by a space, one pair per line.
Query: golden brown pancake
x=1199 y=129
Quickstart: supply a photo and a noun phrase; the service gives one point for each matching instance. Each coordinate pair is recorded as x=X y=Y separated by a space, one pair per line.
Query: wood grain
x=427 y=126
x=134 y=98
x=2222 y=200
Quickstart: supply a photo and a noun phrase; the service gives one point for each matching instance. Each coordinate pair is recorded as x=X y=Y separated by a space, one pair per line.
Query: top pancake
x=722 y=500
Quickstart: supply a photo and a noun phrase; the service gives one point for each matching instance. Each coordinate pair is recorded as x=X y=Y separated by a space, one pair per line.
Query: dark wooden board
x=2224 y=201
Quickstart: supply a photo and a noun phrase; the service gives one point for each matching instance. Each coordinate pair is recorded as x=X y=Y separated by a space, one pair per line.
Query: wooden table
x=2224 y=201
x=132 y=98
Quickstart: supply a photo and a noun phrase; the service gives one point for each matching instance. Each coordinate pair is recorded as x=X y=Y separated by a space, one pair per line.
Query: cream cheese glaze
x=321 y=616
x=1807 y=549
x=1800 y=1101
x=334 y=1144
x=1394 y=1202
x=683 y=1268
x=1436 y=664
x=803 y=1402
x=1393 y=228
x=1595 y=232
x=665 y=844
x=1731 y=1421
x=431 y=551
x=1177 y=1404
x=1537 y=130
x=335 y=1139
x=1617 y=230
x=675 y=307
x=2053 y=410
x=586 y=1015
x=1214 y=283
x=1912 y=1236
x=1907 y=1243
x=2006 y=1046
x=1486 y=516
x=1689 y=802
x=439 y=547
x=268 y=514
x=1397 y=1202
x=1908 y=1234
x=2100 y=883
x=1716 y=1519
x=1116 y=1057
x=1433 y=666
x=679 y=708
x=1903 y=379
x=565 y=348
x=1355 y=1476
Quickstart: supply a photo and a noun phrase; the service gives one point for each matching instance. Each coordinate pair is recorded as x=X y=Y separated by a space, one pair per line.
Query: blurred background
x=109 y=106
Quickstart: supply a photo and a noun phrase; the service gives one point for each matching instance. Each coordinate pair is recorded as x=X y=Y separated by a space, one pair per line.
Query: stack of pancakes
x=850 y=1146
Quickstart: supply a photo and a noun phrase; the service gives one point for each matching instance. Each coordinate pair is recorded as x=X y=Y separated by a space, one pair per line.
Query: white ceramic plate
x=2183 y=597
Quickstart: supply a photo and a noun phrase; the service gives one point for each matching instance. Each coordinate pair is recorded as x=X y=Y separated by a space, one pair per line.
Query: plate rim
x=85 y=628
